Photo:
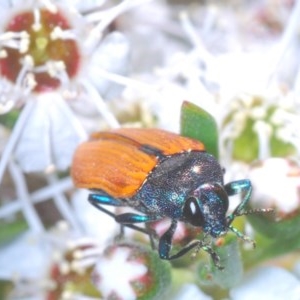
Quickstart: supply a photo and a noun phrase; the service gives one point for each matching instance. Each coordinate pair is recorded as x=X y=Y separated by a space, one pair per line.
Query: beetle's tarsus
x=206 y=247
x=214 y=256
x=249 y=240
x=216 y=259
x=118 y=237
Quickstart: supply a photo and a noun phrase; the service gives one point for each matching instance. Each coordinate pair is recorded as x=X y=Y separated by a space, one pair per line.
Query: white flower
x=267 y=283
x=51 y=264
x=51 y=55
x=95 y=223
x=276 y=183
x=116 y=273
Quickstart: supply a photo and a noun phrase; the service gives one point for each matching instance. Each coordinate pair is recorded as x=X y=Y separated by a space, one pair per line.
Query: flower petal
x=50 y=136
x=267 y=283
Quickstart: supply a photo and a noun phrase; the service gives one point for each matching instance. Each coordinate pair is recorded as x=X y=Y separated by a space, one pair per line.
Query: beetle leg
x=130 y=218
x=240 y=186
x=166 y=242
x=152 y=236
x=214 y=256
x=99 y=199
x=236 y=187
x=242 y=236
x=102 y=199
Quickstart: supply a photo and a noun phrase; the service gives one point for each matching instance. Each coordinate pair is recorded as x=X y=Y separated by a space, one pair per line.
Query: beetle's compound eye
x=192 y=212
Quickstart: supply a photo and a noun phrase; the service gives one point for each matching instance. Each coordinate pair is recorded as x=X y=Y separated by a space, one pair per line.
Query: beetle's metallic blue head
x=206 y=207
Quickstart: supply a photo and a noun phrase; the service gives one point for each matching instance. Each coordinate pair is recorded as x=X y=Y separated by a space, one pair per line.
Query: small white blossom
x=109 y=282
x=276 y=183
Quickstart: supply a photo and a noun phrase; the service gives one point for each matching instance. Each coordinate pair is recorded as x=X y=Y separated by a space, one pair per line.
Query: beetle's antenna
x=237 y=213
x=255 y=211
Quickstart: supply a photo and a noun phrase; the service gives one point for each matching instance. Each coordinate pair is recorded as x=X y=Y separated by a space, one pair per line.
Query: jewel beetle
x=159 y=174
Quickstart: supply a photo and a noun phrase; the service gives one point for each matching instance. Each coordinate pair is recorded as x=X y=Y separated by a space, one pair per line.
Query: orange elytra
x=118 y=161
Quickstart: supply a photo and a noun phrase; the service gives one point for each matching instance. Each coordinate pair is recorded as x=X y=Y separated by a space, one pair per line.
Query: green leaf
x=275 y=237
x=270 y=249
x=276 y=229
x=230 y=260
x=198 y=124
x=6 y=287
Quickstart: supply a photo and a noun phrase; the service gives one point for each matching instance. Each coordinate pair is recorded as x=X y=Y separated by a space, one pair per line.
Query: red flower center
x=39 y=50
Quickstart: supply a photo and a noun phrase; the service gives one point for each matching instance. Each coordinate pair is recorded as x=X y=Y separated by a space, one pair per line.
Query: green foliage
x=198 y=124
x=276 y=237
x=6 y=287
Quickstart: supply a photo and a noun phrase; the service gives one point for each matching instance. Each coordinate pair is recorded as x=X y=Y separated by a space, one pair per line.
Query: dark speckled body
x=173 y=180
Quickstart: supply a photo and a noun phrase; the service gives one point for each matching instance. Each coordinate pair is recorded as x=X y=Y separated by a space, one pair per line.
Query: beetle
x=160 y=174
